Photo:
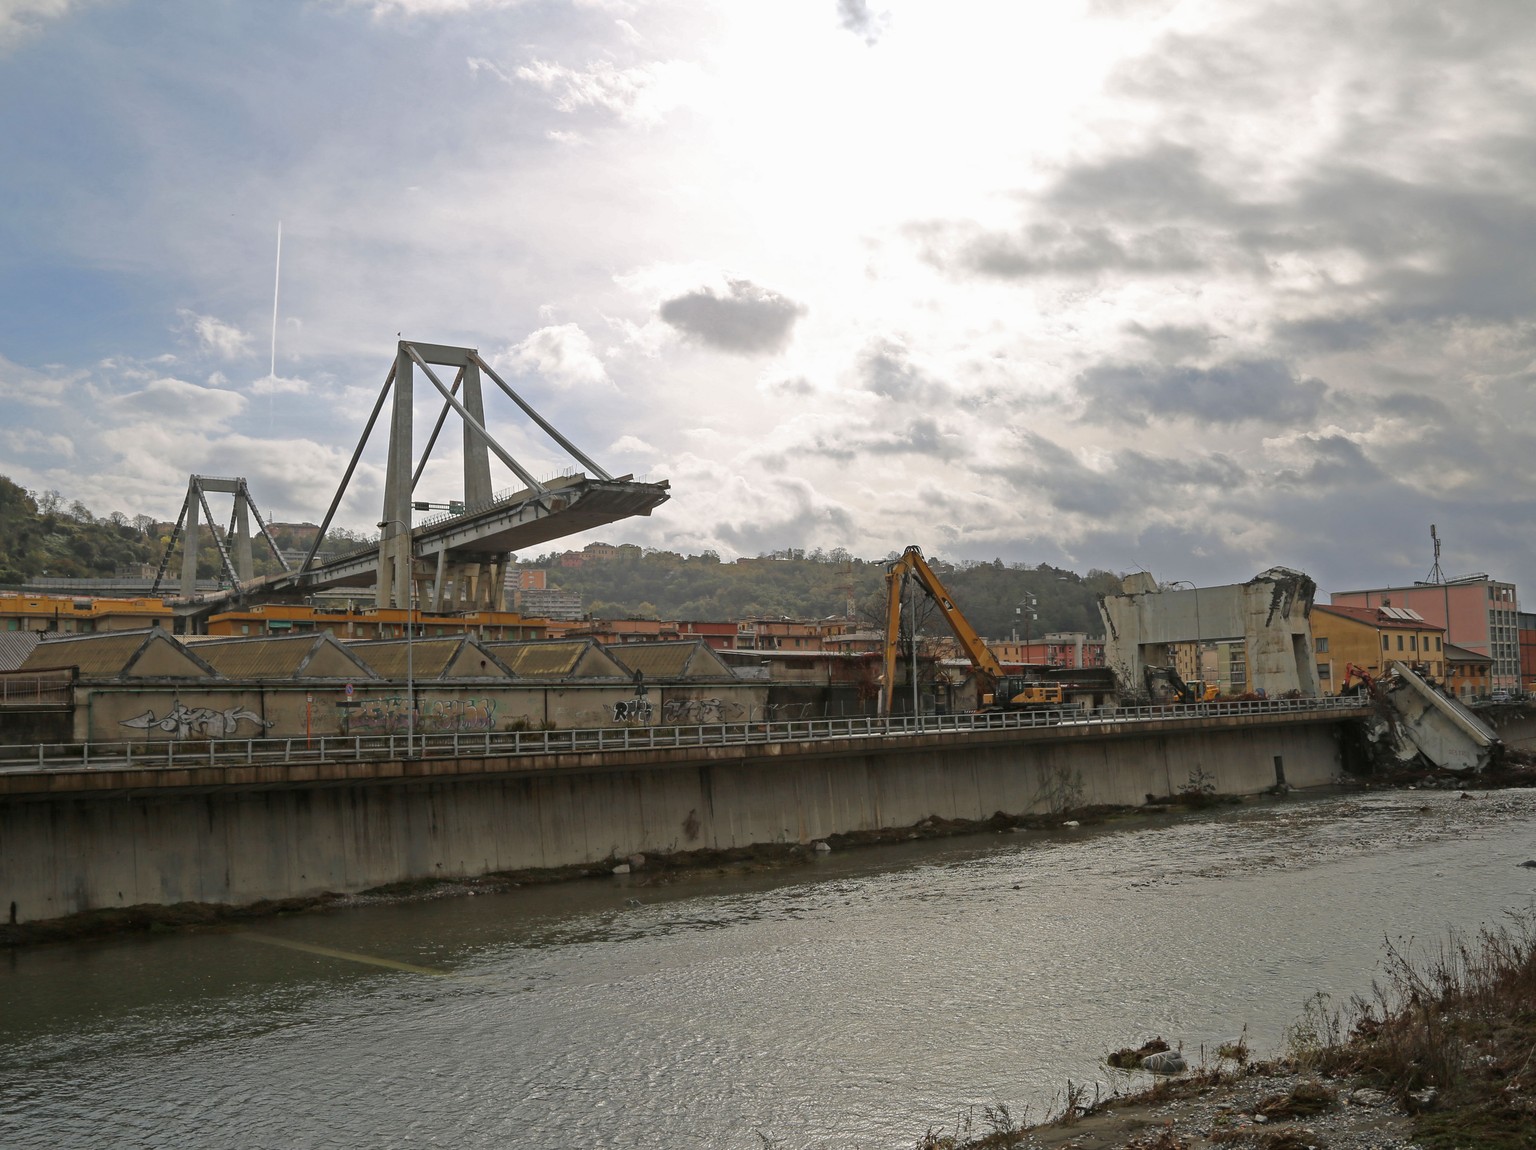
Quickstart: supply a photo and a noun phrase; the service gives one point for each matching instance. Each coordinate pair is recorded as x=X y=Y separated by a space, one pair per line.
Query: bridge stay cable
x=346 y=478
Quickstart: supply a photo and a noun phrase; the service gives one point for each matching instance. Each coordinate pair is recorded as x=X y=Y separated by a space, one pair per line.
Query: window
x=1324 y=670
x=1399 y=642
x=1321 y=646
x=1413 y=642
x=1437 y=642
x=1386 y=642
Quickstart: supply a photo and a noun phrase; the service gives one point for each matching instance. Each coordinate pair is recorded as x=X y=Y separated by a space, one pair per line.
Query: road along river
x=851 y=1003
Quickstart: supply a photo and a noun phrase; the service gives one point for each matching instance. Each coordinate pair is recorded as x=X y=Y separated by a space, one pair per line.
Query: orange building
x=1373 y=638
x=371 y=622
x=79 y=615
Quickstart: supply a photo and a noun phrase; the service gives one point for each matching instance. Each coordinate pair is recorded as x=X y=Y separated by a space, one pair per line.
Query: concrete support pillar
x=245 y=564
x=477 y=455
x=394 y=587
x=190 y=541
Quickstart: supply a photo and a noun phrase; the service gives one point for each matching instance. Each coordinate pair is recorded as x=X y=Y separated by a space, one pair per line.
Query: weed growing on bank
x=1451 y=1036
x=1448 y=1037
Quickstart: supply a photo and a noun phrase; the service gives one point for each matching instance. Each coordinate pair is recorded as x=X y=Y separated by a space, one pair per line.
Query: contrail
x=277 y=279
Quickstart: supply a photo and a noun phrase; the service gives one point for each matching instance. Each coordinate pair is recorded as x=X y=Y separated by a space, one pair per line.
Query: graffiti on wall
x=785 y=711
x=459 y=715
x=697 y=711
x=182 y=721
x=388 y=714
x=632 y=711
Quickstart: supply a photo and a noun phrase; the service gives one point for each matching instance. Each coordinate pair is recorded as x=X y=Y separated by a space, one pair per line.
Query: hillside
x=42 y=535
x=666 y=585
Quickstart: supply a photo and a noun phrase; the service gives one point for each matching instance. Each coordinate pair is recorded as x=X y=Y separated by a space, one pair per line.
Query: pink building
x=1478 y=613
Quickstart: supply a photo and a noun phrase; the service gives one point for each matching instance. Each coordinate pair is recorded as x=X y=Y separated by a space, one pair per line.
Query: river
x=850 y=1003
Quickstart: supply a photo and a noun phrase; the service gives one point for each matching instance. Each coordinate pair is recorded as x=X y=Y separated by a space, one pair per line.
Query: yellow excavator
x=995 y=690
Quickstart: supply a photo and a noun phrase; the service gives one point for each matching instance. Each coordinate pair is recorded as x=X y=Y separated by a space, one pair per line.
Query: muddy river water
x=849 y=1003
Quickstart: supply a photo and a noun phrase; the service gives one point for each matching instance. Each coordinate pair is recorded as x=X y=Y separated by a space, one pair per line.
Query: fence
x=33 y=690
x=332 y=748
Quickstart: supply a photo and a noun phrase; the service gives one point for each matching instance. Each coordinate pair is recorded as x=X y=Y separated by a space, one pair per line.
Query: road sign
x=349 y=690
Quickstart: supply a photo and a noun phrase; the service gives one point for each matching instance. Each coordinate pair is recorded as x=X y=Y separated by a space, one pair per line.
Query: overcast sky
x=1196 y=287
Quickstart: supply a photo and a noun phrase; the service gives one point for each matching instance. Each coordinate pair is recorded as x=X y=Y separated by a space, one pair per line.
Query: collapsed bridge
x=449 y=562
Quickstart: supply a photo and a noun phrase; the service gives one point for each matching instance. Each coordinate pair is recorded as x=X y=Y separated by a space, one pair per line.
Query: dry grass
x=1451 y=1035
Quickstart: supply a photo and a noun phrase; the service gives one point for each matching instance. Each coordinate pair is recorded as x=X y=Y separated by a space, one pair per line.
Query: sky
x=1186 y=286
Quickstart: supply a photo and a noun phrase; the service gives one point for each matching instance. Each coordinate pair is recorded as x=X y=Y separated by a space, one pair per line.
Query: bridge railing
x=193 y=753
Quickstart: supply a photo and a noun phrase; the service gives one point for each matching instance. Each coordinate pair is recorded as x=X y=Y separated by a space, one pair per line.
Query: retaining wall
x=78 y=841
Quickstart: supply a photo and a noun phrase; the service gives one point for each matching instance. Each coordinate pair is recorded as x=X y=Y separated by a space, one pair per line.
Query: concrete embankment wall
x=101 y=839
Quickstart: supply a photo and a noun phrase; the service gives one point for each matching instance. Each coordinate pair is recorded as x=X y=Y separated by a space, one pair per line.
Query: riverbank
x=1442 y=1056
x=1513 y=771
x=641 y=870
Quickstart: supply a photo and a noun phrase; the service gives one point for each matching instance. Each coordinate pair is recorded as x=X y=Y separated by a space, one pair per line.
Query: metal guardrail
x=333 y=748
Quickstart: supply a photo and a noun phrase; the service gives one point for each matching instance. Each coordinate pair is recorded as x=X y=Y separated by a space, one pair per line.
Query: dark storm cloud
x=885 y=367
x=921 y=436
x=747 y=320
x=1132 y=481
x=1332 y=461
x=1238 y=391
x=1174 y=342
x=1442 y=246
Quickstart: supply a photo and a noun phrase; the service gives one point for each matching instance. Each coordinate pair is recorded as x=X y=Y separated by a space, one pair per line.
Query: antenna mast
x=1435 y=574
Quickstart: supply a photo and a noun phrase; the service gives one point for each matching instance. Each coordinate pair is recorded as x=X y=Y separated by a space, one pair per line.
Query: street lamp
x=410 y=608
x=1199 y=651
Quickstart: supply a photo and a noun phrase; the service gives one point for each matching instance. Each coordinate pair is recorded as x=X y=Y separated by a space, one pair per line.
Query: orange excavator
x=1367 y=681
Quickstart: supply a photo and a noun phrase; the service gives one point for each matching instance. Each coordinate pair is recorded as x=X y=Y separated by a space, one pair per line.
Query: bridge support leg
x=394 y=586
x=190 y=541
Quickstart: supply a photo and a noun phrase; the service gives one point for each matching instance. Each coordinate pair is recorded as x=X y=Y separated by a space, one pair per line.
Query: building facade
x=1373 y=638
x=1477 y=613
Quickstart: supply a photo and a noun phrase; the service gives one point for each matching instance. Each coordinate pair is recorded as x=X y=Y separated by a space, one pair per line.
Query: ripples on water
x=849 y=1005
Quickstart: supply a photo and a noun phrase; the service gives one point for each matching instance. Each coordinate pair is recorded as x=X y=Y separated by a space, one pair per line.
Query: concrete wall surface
x=75 y=850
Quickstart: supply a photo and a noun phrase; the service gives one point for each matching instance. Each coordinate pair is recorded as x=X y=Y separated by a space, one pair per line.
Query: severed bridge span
x=448 y=562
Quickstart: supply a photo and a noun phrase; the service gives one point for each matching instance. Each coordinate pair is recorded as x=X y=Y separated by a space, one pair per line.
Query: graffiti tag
x=632 y=711
x=700 y=711
x=182 y=721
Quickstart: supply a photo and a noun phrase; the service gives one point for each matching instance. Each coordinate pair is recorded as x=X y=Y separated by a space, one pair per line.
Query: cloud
x=22 y=18
x=643 y=94
x=169 y=398
x=214 y=336
x=746 y=320
x=1237 y=391
x=631 y=445
x=857 y=17
x=563 y=354
x=278 y=385
x=885 y=367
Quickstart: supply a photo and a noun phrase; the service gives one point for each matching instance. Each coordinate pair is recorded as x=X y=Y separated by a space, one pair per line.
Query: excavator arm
x=913 y=565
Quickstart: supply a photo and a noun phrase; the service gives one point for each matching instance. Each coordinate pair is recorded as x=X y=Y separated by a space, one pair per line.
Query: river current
x=851 y=1003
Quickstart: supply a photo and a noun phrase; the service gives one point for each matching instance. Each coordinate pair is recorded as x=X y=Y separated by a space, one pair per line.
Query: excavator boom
x=913 y=565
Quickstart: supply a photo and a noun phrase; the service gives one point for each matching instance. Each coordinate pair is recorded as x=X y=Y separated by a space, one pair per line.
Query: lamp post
x=410 y=608
x=1199 y=652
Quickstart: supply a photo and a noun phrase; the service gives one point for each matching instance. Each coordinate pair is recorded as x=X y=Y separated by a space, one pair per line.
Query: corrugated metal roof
x=559 y=659
x=438 y=657
x=15 y=646
x=302 y=656
x=684 y=659
x=116 y=654
x=428 y=658
x=542 y=658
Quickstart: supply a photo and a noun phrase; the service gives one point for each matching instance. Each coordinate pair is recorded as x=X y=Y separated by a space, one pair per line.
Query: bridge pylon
x=238 y=568
x=464 y=568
